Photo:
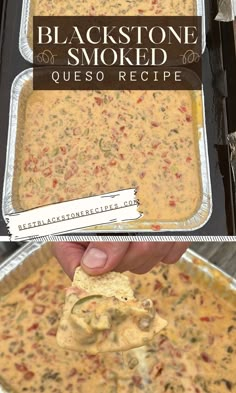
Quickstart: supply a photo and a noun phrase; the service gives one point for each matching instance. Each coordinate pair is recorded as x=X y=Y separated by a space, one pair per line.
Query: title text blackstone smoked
x=110 y=38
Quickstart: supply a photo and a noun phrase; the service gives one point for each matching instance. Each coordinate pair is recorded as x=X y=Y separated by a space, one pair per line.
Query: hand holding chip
x=98 y=258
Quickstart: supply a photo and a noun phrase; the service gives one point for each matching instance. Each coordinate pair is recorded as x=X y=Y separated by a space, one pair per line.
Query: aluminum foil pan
x=21 y=88
x=32 y=256
x=26 y=24
x=21 y=264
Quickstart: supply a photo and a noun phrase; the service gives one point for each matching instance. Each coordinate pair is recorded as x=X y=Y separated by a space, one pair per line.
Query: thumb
x=100 y=258
x=69 y=255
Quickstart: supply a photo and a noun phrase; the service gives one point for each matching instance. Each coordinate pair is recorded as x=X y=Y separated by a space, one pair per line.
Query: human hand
x=101 y=257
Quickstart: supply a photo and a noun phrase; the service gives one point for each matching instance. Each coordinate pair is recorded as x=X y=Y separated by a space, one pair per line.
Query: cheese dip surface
x=196 y=353
x=77 y=144
x=109 y=7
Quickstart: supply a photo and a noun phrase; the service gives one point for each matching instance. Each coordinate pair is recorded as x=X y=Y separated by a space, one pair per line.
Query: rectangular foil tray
x=10 y=201
x=27 y=52
x=33 y=255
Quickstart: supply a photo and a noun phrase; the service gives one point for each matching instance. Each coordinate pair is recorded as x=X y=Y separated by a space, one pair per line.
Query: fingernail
x=94 y=258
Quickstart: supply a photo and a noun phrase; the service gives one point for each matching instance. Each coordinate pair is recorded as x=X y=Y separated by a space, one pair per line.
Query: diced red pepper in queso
x=88 y=142
x=109 y=7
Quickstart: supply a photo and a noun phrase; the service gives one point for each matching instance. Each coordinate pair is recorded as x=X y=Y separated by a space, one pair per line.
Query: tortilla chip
x=102 y=315
x=108 y=284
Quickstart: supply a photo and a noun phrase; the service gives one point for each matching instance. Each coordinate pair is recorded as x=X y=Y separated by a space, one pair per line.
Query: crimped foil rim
x=30 y=248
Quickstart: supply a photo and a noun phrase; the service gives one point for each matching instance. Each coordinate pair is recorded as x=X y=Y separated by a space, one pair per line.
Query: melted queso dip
x=109 y=7
x=195 y=353
x=77 y=144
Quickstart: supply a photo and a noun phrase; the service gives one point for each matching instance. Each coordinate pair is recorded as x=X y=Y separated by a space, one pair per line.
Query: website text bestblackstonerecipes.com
x=76 y=215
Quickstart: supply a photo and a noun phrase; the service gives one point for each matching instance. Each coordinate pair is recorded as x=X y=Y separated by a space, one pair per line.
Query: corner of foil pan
x=17 y=257
x=13 y=270
x=212 y=276
x=207 y=267
x=17 y=84
x=24 y=47
x=204 y=212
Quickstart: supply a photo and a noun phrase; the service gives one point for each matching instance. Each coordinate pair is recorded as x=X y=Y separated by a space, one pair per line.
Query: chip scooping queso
x=101 y=314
